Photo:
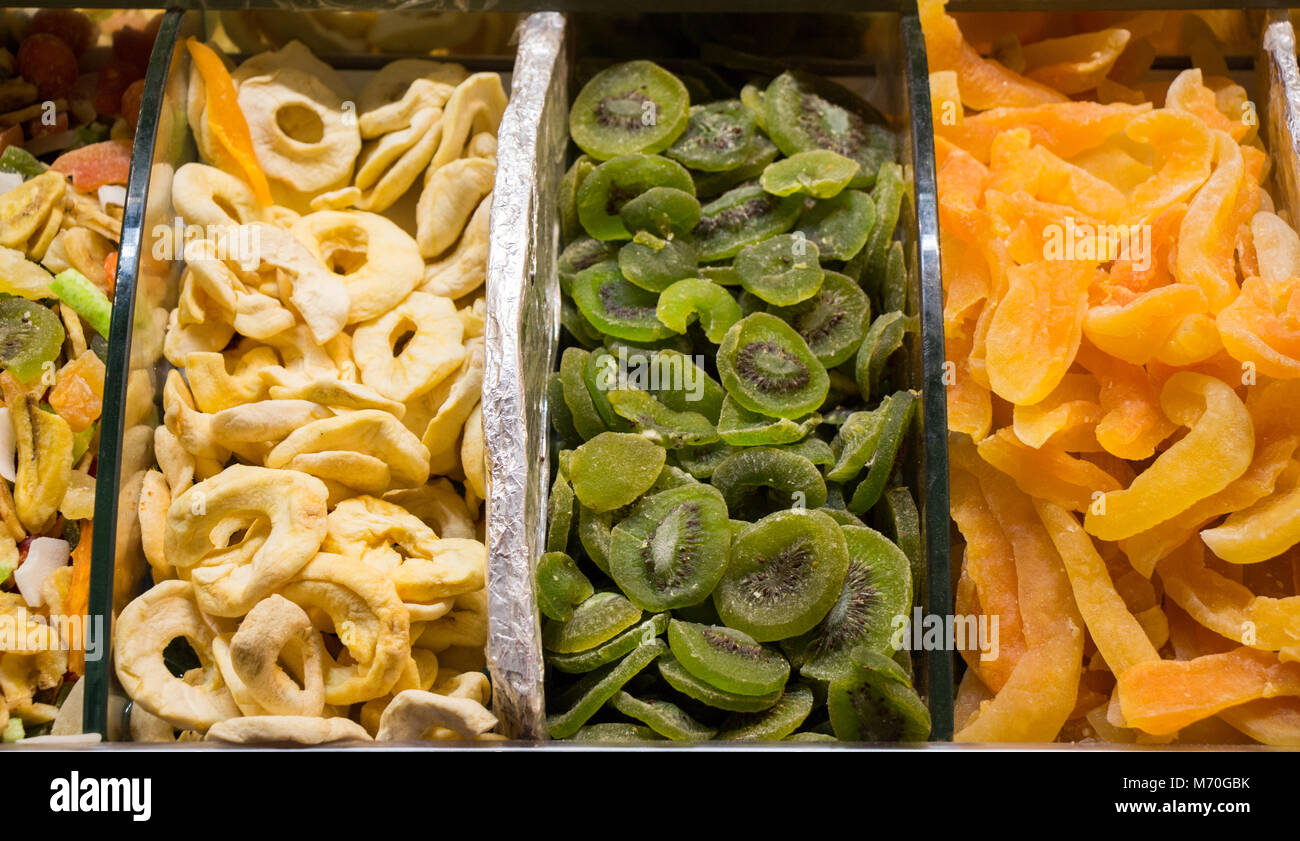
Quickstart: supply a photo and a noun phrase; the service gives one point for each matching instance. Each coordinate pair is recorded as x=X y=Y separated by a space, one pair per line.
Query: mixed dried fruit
x=314 y=525
x=1122 y=371
x=69 y=97
x=727 y=420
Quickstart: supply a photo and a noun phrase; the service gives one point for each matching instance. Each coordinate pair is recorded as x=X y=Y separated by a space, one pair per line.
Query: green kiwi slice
x=740 y=217
x=675 y=380
x=832 y=322
x=577 y=397
x=601 y=374
x=810 y=736
x=760 y=153
x=805 y=113
x=692 y=298
x=560 y=586
x=752 y=95
x=578 y=327
x=636 y=106
x=726 y=658
x=876 y=702
x=672 y=549
x=603 y=686
x=900 y=521
x=855 y=442
x=819 y=173
x=660 y=424
x=743 y=428
x=877 y=589
x=773 y=724
x=723 y=275
x=593 y=533
x=614 y=468
x=716 y=138
x=768 y=368
x=883 y=338
x=812 y=448
x=781 y=270
x=615 y=733
x=898 y=418
x=614 y=183
x=561 y=417
x=785 y=573
x=616 y=307
x=654 y=264
x=30 y=336
x=676 y=676
x=887 y=195
x=581 y=662
x=597 y=619
x=765 y=479
x=840 y=225
x=661 y=211
x=663 y=717
x=568 y=196
x=582 y=252
x=700 y=462
x=893 y=290
x=559 y=515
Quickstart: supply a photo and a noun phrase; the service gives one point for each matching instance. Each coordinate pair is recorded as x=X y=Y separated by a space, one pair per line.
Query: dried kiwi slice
x=616 y=307
x=676 y=676
x=765 y=479
x=785 y=573
x=577 y=397
x=636 y=106
x=604 y=685
x=740 y=217
x=582 y=253
x=774 y=724
x=768 y=368
x=897 y=420
x=30 y=336
x=855 y=443
x=883 y=338
x=887 y=195
x=691 y=298
x=663 y=717
x=581 y=662
x=597 y=619
x=726 y=658
x=841 y=225
x=614 y=183
x=660 y=424
x=877 y=588
x=593 y=533
x=614 y=468
x=568 y=197
x=561 y=417
x=654 y=264
x=677 y=382
x=876 y=702
x=615 y=733
x=743 y=428
x=671 y=551
x=716 y=138
x=559 y=515
x=819 y=173
x=805 y=113
x=781 y=270
x=812 y=448
x=700 y=462
x=577 y=326
x=833 y=321
x=560 y=586
x=661 y=211
x=601 y=374
x=899 y=519
x=760 y=153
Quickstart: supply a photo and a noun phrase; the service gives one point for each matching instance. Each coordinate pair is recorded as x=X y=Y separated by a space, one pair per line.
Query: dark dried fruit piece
x=726 y=658
x=636 y=106
x=716 y=138
x=768 y=368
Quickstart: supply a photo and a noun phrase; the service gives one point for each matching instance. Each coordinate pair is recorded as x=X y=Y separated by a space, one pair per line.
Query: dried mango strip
x=1137 y=331
x=1216 y=449
x=1121 y=638
x=1015 y=163
x=1047 y=473
x=961 y=181
x=1065 y=129
x=1262 y=327
x=1206 y=239
x=226 y=119
x=1185 y=146
x=1167 y=695
x=970 y=404
x=1075 y=63
x=965 y=280
x=1066 y=418
x=1188 y=93
x=1263 y=531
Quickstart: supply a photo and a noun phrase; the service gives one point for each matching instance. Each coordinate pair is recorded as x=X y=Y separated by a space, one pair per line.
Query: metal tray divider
x=1280 y=78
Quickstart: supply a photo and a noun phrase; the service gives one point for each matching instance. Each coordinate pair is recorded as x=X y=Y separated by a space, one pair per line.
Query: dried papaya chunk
x=1031 y=230
x=1026 y=353
x=1188 y=93
x=1015 y=163
x=1146 y=266
x=1114 y=163
x=961 y=180
x=1186 y=148
x=1207 y=236
x=1264 y=530
x=1067 y=418
x=1216 y=449
x=1276 y=246
x=1133 y=424
x=1138 y=330
x=1065 y=129
x=1195 y=340
x=1262 y=327
x=965 y=280
x=970 y=405
x=1046 y=473
x=1075 y=63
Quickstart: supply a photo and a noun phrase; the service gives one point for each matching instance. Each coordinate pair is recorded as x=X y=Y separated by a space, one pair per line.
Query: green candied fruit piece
x=597 y=619
x=819 y=173
x=691 y=298
x=603 y=686
x=560 y=586
x=663 y=717
x=614 y=468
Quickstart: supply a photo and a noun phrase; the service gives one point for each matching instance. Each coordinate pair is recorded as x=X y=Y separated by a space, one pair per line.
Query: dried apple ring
x=264 y=421
x=439 y=504
x=367 y=432
x=389 y=166
x=401 y=88
x=369 y=619
x=145 y=627
x=464 y=269
x=278 y=631
x=204 y=195
x=281 y=514
x=319 y=295
x=429 y=330
x=450 y=196
x=299 y=730
x=476 y=106
x=376 y=261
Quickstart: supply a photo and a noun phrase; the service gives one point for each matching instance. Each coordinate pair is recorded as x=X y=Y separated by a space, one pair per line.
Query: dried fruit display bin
x=880 y=55
x=153 y=262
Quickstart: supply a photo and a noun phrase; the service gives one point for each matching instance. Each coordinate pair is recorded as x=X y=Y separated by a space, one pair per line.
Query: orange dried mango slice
x=970 y=405
x=1186 y=148
x=1194 y=340
x=1075 y=63
x=1138 y=330
x=1114 y=163
x=1036 y=328
x=1262 y=327
x=1134 y=423
x=1272 y=406
x=1066 y=418
x=945 y=97
x=1040 y=694
x=1216 y=450
x=1188 y=93
x=965 y=280
x=1032 y=230
x=1016 y=164
x=1046 y=473
x=1147 y=266
x=961 y=179
x=1277 y=248
x=1265 y=530
x=227 y=121
x=1119 y=636
x=1144 y=550
x=1207 y=236
x=1065 y=129
x=1165 y=696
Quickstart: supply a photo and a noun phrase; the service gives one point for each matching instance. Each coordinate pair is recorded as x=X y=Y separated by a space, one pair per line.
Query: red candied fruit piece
x=111 y=82
x=39 y=128
x=12 y=136
x=48 y=62
x=131 y=103
x=133 y=46
x=77 y=31
x=93 y=166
